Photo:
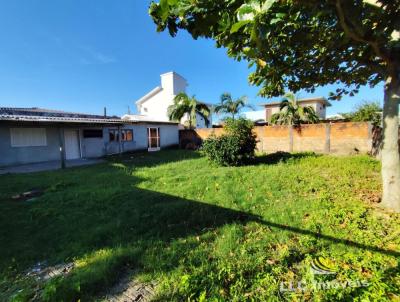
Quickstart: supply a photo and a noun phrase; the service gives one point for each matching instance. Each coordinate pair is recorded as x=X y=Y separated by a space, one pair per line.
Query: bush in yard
x=235 y=147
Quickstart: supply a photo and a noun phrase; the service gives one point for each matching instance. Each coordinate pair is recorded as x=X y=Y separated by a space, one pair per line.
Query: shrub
x=366 y=112
x=235 y=147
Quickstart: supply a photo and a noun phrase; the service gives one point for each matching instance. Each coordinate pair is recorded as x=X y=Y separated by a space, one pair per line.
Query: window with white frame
x=28 y=137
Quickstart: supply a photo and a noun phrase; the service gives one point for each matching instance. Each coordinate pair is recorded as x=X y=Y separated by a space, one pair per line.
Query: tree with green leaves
x=292 y=113
x=230 y=106
x=366 y=112
x=188 y=106
x=302 y=44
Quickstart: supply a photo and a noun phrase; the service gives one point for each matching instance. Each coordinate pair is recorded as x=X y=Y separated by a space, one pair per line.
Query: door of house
x=153 y=139
x=72 y=150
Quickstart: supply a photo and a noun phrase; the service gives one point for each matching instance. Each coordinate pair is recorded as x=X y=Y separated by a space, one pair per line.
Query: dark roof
x=35 y=111
x=48 y=115
x=42 y=115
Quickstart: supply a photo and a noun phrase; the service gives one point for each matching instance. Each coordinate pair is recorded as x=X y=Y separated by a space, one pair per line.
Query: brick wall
x=338 y=138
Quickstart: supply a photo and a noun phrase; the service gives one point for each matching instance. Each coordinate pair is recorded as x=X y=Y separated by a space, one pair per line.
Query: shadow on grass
x=151 y=159
x=282 y=157
x=329 y=238
x=106 y=219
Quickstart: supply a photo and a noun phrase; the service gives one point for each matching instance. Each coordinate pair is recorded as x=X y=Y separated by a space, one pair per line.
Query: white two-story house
x=154 y=105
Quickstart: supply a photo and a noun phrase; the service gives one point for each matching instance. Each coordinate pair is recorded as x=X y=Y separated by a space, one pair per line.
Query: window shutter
x=28 y=137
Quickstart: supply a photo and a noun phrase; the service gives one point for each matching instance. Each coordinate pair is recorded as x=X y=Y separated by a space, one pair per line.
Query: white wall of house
x=254 y=116
x=155 y=104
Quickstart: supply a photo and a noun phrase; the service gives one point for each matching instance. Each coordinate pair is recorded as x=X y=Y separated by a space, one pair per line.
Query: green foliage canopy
x=366 y=112
x=296 y=44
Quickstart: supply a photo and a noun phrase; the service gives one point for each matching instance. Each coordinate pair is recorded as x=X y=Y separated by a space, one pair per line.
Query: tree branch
x=356 y=36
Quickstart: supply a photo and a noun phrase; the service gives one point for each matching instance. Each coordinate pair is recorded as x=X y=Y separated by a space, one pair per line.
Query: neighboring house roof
x=321 y=100
x=149 y=95
x=337 y=116
x=143 y=118
x=158 y=89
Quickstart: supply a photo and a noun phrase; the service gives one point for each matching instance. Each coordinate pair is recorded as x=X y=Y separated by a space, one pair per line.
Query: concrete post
x=290 y=138
x=327 y=148
x=119 y=140
x=62 y=147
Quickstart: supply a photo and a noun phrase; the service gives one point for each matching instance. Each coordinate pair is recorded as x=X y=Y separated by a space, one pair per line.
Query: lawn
x=203 y=233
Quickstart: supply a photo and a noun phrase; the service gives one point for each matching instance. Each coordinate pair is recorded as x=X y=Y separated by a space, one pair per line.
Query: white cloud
x=92 y=57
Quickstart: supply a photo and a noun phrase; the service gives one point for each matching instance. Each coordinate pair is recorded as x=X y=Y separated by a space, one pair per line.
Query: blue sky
x=84 y=55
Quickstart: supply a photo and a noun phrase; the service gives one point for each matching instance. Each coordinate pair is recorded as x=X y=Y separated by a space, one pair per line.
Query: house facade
x=154 y=105
x=318 y=103
x=29 y=135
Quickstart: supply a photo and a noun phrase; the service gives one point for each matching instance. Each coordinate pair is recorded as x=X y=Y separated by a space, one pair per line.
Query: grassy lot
x=204 y=233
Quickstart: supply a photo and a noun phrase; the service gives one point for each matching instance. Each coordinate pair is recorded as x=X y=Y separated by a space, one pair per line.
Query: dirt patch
x=41 y=271
x=129 y=289
x=371 y=196
x=28 y=195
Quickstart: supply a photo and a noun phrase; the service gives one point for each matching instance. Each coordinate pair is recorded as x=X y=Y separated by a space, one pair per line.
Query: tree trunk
x=390 y=148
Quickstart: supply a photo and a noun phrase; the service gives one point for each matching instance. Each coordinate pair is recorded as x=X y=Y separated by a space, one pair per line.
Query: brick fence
x=338 y=138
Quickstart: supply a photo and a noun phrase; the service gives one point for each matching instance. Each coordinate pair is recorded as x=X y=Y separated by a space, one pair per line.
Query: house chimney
x=173 y=83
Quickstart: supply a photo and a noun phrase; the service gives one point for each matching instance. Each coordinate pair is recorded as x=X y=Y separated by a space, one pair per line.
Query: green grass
x=204 y=233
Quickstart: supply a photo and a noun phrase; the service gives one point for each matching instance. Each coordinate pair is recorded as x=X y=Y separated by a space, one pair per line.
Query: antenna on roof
x=129 y=110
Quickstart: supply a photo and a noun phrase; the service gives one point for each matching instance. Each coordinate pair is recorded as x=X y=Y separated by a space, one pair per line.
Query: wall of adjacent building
x=337 y=138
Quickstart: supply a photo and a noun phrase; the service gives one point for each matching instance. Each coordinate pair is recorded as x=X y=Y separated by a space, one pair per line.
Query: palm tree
x=190 y=106
x=292 y=113
x=229 y=106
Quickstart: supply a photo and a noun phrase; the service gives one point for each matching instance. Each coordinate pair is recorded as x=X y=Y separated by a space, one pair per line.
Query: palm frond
x=276 y=118
x=310 y=115
x=225 y=97
x=292 y=113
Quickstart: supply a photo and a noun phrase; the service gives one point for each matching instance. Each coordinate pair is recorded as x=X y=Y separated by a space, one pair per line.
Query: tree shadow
x=106 y=210
x=151 y=159
x=329 y=238
x=282 y=157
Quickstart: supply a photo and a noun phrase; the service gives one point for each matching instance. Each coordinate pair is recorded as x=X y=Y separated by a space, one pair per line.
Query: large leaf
x=267 y=5
x=248 y=10
x=164 y=9
x=238 y=25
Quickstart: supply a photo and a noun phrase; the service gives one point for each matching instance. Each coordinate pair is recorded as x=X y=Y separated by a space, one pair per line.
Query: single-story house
x=318 y=103
x=29 y=135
